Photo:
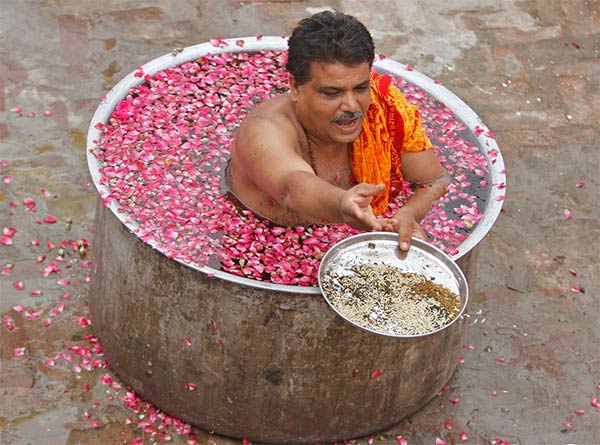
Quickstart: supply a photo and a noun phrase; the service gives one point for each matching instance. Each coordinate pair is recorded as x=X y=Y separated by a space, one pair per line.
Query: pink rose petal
x=191 y=386
x=401 y=440
x=376 y=374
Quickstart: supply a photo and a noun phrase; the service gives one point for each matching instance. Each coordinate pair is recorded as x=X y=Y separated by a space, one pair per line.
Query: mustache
x=347 y=116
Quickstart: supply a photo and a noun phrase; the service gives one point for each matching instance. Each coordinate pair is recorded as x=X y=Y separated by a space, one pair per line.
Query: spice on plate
x=384 y=299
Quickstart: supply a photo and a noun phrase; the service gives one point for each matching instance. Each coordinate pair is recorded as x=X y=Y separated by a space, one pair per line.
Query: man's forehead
x=336 y=73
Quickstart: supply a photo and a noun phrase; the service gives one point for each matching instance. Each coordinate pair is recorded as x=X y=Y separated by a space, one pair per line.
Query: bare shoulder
x=271 y=123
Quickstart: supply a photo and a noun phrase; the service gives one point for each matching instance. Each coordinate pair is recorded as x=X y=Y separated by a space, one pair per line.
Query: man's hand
x=407 y=226
x=355 y=206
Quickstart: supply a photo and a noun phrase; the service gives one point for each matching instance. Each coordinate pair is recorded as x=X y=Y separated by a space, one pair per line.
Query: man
x=336 y=147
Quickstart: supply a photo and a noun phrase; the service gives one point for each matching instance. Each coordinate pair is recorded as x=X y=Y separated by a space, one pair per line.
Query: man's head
x=328 y=37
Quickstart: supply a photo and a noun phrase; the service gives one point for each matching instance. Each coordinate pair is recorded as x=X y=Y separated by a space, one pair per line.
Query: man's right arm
x=267 y=149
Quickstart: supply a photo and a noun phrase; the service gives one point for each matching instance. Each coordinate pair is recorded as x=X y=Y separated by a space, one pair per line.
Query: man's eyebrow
x=331 y=88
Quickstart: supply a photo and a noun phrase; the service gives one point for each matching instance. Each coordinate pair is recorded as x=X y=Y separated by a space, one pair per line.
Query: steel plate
x=382 y=248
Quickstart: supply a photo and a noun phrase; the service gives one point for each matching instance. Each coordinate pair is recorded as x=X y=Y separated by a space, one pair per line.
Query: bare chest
x=333 y=168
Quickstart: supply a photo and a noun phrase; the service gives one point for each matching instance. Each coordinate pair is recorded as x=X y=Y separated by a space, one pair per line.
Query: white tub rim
x=265 y=43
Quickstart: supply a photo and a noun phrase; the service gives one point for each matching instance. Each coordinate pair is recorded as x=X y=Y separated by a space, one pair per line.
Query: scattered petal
x=401 y=440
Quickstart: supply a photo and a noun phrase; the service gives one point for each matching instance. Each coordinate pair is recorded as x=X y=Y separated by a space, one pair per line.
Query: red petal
x=191 y=386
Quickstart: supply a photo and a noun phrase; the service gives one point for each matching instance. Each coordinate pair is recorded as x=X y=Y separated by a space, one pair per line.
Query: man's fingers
x=404 y=235
x=366 y=189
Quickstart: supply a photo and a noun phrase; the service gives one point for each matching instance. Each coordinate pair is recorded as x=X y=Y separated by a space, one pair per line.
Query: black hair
x=330 y=37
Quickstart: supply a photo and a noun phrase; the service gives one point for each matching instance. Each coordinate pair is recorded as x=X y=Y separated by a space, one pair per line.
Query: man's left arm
x=424 y=169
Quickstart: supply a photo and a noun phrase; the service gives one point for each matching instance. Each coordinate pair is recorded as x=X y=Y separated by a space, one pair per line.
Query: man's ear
x=294 y=88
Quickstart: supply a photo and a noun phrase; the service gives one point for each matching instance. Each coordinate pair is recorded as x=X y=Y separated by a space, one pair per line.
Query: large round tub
x=244 y=358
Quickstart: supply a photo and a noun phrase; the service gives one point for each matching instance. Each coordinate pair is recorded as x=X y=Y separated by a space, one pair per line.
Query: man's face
x=334 y=101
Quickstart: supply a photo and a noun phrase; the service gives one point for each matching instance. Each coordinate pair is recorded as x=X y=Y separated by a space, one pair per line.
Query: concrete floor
x=530 y=69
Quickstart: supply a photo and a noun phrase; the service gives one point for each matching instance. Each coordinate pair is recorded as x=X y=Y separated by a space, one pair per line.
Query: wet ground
x=530 y=69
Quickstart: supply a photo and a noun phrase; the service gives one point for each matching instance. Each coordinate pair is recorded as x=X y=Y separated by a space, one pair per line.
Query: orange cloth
x=392 y=126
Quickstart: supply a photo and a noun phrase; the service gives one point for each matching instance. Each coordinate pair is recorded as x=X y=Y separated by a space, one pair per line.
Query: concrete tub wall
x=270 y=366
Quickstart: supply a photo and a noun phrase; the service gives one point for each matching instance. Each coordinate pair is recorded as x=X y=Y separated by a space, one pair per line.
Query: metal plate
x=382 y=248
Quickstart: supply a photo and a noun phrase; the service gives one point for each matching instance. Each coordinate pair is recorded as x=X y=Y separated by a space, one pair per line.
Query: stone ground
x=530 y=69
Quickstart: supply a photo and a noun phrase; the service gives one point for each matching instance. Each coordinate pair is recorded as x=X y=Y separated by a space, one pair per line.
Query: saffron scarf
x=392 y=126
